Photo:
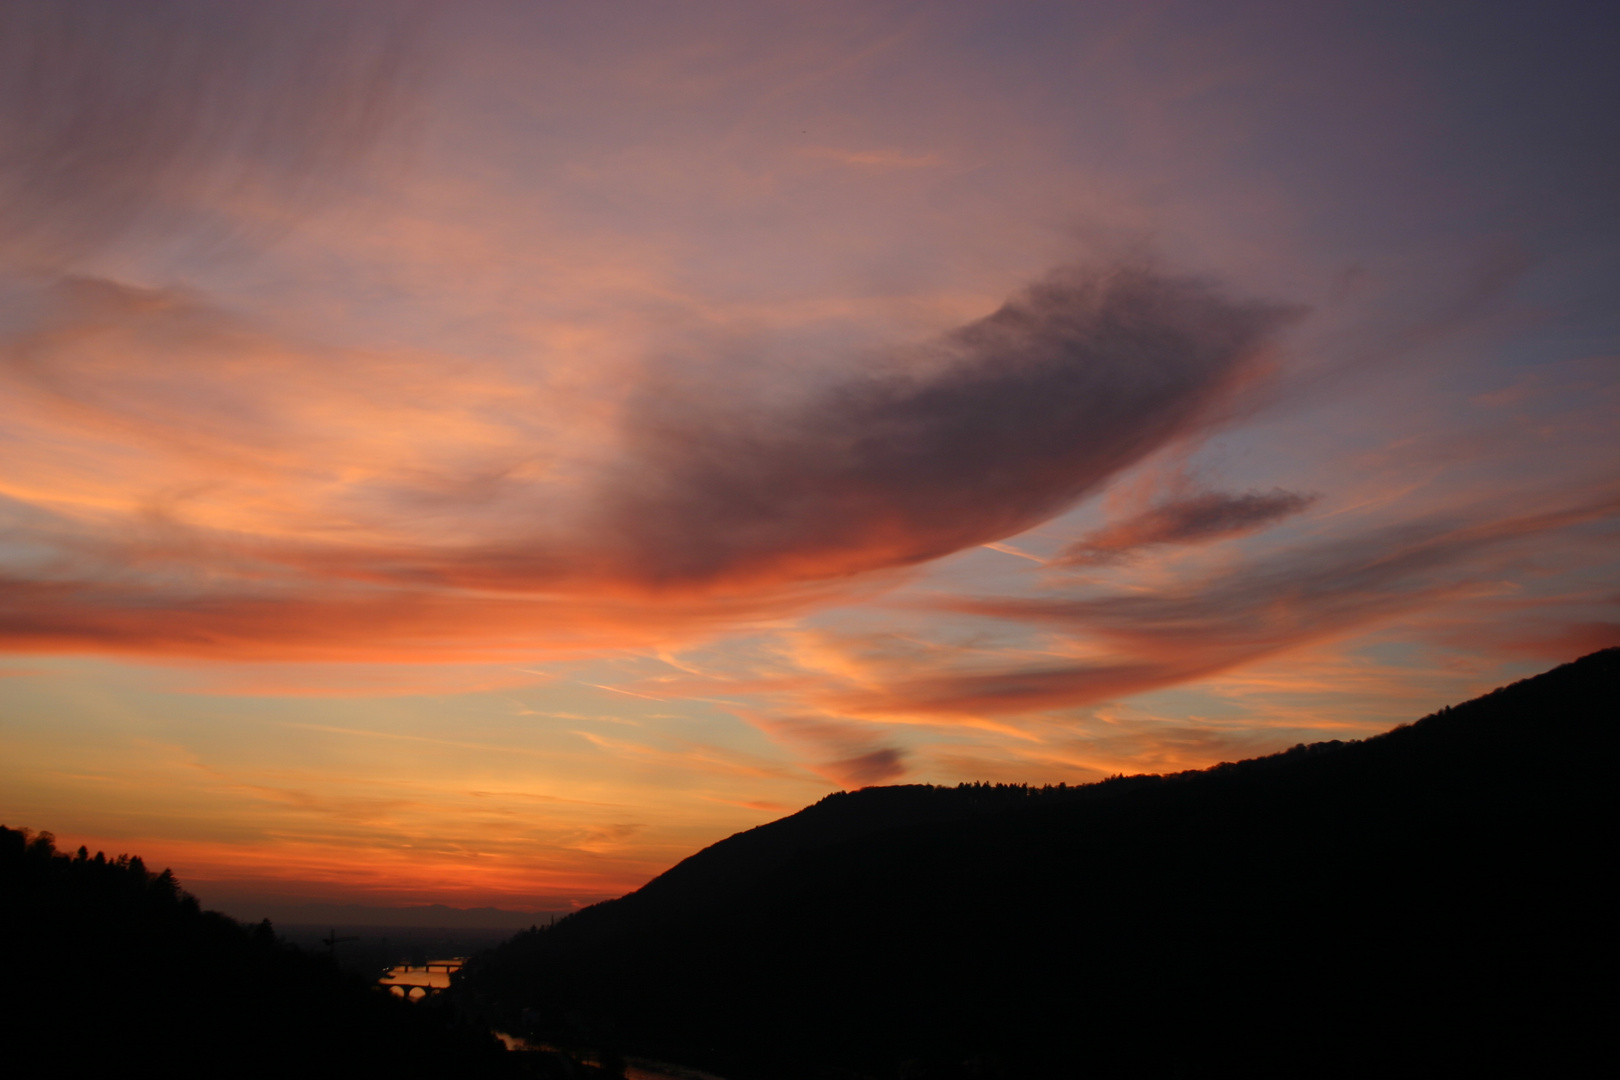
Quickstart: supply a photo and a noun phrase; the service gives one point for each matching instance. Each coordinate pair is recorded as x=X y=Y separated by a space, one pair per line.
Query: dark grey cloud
x=1019 y=415
x=843 y=752
x=115 y=114
x=1193 y=519
x=876 y=767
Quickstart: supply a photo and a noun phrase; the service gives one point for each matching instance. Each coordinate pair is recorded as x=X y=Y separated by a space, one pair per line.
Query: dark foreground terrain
x=1432 y=901
x=106 y=967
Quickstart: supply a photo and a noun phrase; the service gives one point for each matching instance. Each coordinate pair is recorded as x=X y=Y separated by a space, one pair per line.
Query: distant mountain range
x=425 y=916
x=1429 y=901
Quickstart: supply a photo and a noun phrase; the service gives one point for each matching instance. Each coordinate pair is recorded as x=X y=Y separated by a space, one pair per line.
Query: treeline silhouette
x=1434 y=900
x=104 y=964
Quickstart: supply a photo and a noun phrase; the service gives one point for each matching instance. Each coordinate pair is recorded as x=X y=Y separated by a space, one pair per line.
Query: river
x=634 y=1068
x=417 y=981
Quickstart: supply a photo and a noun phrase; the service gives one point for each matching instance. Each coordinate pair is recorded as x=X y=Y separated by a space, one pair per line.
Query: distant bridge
x=405 y=988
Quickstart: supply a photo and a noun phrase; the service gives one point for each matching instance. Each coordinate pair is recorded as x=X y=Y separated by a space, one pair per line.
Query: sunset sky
x=482 y=453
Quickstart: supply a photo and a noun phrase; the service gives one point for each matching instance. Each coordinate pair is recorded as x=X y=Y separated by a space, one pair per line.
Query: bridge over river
x=417 y=981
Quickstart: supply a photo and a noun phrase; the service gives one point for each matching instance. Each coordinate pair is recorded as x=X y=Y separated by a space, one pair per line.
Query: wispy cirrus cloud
x=1191 y=519
x=882 y=160
x=1203 y=624
x=116 y=116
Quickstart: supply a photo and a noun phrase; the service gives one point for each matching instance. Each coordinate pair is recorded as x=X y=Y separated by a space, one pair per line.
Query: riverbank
x=635 y=1068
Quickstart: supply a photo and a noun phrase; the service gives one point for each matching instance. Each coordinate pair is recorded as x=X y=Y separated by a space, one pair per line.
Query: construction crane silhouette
x=332 y=941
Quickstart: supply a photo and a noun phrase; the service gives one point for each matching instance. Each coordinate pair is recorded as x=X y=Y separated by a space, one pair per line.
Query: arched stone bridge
x=407 y=989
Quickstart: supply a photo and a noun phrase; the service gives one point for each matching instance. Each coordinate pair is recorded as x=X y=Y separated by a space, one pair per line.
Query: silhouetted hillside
x=1433 y=900
x=107 y=965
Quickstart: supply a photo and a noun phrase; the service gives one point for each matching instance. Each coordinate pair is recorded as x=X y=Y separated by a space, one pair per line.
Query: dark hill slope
x=728 y=871
x=111 y=968
x=1430 y=900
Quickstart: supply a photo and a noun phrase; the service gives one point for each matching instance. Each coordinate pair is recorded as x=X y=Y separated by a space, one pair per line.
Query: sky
x=481 y=454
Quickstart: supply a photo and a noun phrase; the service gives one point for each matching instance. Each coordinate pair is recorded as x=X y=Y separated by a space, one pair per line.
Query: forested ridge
x=109 y=965
x=1432 y=899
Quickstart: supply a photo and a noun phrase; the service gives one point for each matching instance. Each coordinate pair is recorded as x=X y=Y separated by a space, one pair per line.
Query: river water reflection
x=634 y=1069
x=417 y=981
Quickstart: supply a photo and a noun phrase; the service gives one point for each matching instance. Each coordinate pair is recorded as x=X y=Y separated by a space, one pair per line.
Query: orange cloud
x=1204 y=626
x=1193 y=626
x=226 y=493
